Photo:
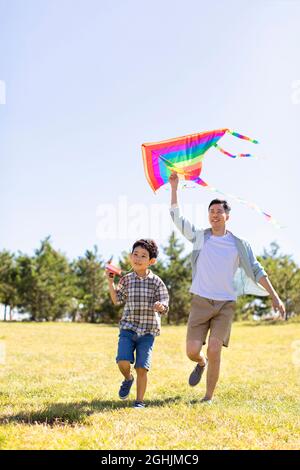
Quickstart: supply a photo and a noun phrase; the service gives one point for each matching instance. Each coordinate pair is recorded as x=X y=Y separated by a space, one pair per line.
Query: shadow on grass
x=68 y=414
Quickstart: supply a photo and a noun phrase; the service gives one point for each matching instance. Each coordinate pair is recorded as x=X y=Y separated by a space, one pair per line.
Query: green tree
x=285 y=277
x=8 y=276
x=92 y=289
x=44 y=283
x=284 y=274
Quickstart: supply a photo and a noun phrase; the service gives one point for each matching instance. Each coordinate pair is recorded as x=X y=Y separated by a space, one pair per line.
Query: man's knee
x=214 y=348
x=193 y=349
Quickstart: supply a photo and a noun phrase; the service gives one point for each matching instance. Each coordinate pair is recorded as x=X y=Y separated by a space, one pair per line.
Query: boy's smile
x=140 y=260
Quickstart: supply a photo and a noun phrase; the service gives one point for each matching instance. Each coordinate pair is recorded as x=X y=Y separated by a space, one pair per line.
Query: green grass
x=59 y=390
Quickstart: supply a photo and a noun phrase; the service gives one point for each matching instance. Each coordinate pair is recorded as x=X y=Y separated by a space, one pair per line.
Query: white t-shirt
x=216 y=266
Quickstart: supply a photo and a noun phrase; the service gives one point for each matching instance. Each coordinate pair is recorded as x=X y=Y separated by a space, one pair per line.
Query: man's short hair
x=224 y=203
x=148 y=245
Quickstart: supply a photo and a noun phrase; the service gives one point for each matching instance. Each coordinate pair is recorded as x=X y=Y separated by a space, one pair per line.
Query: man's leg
x=193 y=351
x=220 y=328
x=214 y=360
x=195 y=354
x=197 y=329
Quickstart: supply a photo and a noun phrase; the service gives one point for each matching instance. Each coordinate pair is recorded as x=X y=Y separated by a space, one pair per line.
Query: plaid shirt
x=139 y=296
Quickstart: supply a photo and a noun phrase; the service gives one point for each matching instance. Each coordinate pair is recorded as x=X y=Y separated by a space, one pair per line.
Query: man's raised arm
x=186 y=228
x=174 y=185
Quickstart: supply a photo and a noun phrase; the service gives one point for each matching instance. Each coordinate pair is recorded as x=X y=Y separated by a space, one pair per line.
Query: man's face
x=217 y=216
x=140 y=258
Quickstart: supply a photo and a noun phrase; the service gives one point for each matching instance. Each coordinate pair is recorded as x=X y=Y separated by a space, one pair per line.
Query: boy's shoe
x=125 y=388
x=139 y=404
x=196 y=375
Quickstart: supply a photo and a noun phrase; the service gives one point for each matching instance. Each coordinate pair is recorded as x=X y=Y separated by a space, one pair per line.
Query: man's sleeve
x=121 y=291
x=187 y=229
x=257 y=268
x=162 y=296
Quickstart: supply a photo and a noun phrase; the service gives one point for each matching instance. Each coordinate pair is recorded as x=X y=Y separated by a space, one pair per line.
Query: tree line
x=49 y=287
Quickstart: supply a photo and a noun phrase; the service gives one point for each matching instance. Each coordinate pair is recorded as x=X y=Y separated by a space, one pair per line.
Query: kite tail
x=252 y=205
x=239 y=155
x=240 y=136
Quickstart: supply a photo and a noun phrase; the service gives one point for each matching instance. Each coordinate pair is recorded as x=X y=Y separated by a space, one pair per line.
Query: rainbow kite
x=184 y=155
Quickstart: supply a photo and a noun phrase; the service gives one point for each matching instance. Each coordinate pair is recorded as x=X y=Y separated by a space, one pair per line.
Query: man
x=223 y=267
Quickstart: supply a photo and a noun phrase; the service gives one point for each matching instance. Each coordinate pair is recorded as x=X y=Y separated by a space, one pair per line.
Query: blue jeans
x=129 y=342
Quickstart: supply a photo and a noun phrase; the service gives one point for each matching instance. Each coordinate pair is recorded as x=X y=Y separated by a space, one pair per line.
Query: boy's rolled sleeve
x=257 y=268
x=162 y=296
x=121 y=292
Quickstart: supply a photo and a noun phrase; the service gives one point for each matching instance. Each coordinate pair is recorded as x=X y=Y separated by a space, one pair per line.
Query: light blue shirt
x=249 y=271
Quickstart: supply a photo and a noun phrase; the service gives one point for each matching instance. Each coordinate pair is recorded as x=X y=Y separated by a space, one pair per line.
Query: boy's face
x=140 y=259
x=217 y=216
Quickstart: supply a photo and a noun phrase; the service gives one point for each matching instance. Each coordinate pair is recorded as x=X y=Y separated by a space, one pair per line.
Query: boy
x=145 y=297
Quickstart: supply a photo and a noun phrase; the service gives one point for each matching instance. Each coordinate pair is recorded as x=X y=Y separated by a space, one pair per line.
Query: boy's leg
x=125 y=357
x=141 y=383
x=125 y=354
x=144 y=349
x=124 y=367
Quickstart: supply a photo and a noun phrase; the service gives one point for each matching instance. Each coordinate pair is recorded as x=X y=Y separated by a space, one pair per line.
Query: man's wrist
x=274 y=295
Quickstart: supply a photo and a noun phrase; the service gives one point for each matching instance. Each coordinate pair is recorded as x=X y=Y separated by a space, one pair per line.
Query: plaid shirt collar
x=150 y=275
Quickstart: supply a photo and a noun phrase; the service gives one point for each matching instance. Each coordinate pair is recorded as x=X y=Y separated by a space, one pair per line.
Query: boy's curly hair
x=148 y=245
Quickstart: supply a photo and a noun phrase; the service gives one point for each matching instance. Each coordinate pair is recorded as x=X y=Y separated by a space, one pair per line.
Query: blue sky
x=87 y=82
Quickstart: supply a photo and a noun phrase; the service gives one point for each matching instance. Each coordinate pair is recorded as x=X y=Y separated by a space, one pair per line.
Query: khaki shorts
x=213 y=315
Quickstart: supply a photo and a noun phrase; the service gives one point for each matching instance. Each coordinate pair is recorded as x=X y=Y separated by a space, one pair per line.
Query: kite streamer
x=185 y=155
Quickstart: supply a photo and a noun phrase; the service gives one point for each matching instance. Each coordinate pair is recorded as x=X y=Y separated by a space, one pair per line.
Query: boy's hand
x=159 y=307
x=174 y=180
x=110 y=276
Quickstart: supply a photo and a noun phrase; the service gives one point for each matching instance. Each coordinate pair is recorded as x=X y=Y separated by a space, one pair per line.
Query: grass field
x=59 y=390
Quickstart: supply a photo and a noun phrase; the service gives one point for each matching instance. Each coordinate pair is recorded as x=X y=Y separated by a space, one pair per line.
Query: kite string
x=249 y=204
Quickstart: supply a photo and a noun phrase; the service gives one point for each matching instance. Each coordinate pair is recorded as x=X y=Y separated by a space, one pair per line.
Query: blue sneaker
x=139 y=404
x=125 y=388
